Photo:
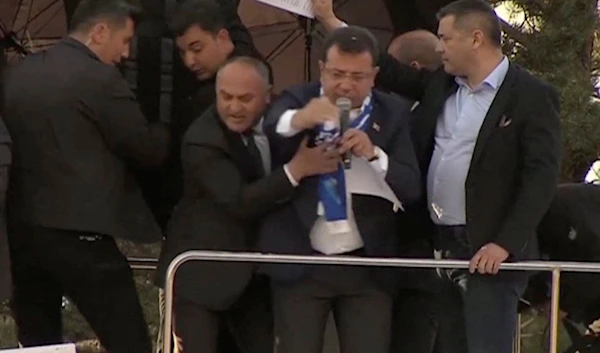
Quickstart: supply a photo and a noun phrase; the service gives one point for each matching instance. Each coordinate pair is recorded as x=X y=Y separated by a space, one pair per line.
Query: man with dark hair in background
x=76 y=129
x=488 y=135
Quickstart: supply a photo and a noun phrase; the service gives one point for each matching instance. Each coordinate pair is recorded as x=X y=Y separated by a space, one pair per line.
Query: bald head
x=417 y=49
x=243 y=93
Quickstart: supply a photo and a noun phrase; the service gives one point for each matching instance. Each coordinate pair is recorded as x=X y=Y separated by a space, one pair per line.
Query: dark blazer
x=5 y=162
x=222 y=203
x=76 y=126
x=287 y=229
x=515 y=165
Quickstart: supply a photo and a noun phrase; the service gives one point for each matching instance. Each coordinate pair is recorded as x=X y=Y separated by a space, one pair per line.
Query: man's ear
x=416 y=65
x=223 y=35
x=99 y=33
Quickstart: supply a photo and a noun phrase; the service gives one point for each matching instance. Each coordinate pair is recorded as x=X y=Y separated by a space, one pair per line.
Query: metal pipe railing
x=141 y=263
x=555 y=267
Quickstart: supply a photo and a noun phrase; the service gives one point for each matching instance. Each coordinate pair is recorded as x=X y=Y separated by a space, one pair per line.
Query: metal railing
x=555 y=267
x=142 y=263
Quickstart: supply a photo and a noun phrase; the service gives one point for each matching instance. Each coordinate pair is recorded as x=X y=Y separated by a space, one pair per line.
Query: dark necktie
x=256 y=156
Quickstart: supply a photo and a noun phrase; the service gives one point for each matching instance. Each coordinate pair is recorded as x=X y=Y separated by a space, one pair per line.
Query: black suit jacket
x=287 y=229
x=222 y=203
x=515 y=165
x=76 y=126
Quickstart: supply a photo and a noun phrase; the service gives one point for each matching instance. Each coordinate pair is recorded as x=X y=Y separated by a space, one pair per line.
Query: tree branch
x=514 y=33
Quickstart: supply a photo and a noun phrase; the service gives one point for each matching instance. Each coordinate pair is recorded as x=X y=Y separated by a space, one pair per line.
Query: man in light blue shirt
x=455 y=137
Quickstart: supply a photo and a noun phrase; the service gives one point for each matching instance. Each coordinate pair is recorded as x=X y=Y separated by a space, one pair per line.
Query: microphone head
x=343 y=103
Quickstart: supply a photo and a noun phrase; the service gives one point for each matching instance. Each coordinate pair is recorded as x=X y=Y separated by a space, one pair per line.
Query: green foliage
x=555 y=41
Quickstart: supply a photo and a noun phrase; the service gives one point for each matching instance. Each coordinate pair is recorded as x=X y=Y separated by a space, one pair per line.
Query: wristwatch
x=375 y=156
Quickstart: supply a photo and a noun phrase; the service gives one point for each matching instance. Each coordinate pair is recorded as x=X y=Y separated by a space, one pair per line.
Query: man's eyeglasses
x=339 y=75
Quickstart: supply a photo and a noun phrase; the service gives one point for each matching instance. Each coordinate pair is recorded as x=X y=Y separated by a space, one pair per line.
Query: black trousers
x=91 y=271
x=362 y=312
x=478 y=314
x=415 y=323
x=249 y=323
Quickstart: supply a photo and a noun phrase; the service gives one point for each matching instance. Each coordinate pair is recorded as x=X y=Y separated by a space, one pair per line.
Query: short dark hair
x=205 y=14
x=258 y=65
x=464 y=11
x=352 y=40
x=90 y=12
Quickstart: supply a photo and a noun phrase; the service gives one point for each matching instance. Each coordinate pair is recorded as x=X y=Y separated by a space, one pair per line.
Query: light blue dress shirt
x=455 y=137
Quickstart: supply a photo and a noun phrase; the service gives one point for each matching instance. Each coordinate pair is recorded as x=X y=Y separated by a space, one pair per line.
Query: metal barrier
x=554 y=267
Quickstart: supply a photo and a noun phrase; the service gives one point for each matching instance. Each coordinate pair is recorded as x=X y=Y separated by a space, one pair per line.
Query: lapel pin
x=504 y=121
x=376 y=127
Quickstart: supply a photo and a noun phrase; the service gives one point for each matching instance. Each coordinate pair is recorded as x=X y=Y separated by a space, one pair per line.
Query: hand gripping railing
x=554 y=267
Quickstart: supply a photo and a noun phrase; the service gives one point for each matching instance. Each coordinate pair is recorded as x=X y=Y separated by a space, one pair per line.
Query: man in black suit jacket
x=488 y=134
x=76 y=127
x=360 y=298
x=229 y=187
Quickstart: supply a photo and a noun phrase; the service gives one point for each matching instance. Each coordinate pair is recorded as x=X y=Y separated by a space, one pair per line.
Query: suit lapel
x=495 y=113
x=238 y=152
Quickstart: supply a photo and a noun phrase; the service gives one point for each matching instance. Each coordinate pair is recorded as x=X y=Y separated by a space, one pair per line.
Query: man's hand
x=488 y=259
x=316 y=112
x=308 y=161
x=358 y=142
x=324 y=13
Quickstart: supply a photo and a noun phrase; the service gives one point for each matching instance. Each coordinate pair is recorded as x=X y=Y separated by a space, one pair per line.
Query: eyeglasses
x=339 y=75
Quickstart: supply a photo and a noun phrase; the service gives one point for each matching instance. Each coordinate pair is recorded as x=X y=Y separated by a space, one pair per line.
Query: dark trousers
x=415 y=323
x=479 y=311
x=249 y=322
x=362 y=312
x=91 y=271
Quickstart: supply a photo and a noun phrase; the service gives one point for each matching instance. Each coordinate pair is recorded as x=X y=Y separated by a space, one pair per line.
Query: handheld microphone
x=344 y=105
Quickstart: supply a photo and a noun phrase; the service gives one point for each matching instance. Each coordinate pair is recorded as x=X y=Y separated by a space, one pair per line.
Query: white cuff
x=284 y=125
x=381 y=164
x=289 y=176
x=344 y=24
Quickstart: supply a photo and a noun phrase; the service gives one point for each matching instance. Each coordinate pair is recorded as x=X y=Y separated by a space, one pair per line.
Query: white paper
x=62 y=348
x=362 y=179
x=593 y=175
x=299 y=7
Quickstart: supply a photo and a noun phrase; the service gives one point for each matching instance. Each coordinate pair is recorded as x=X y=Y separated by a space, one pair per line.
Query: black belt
x=442 y=230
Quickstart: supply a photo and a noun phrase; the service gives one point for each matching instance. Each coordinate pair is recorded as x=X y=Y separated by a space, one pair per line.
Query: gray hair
x=258 y=65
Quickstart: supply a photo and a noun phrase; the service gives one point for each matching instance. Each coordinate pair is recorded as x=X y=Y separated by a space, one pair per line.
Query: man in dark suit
x=382 y=156
x=76 y=127
x=488 y=136
x=207 y=33
x=229 y=187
